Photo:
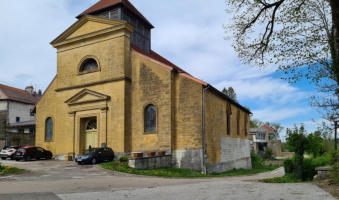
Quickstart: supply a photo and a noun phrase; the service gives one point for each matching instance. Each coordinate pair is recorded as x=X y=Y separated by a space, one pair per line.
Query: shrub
x=289 y=166
x=124 y=158
x=257 y=161
x=268 y=153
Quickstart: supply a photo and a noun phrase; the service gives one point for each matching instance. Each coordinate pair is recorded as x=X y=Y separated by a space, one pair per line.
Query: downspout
x=204 y=130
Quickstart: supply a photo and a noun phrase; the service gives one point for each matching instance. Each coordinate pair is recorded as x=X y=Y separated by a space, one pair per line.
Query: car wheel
x=94 y=161
x=3 y=158
x=12 y=157
x=28 y=158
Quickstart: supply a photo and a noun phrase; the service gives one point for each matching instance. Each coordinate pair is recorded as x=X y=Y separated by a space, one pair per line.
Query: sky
x=189 y=33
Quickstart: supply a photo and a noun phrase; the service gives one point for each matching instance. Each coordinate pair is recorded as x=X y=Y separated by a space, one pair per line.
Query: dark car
x=95 y=155
x=29 y=153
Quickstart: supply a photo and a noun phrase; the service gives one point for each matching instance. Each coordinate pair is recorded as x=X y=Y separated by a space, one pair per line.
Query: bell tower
x=123 y=10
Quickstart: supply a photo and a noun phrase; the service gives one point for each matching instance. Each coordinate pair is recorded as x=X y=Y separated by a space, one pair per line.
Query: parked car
x=29 y=153
x=95 y=155
x=8 y=152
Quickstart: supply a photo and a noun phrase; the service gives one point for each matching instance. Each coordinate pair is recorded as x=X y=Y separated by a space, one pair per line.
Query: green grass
x=7 y=170
x=288 y=178
x=181 y=173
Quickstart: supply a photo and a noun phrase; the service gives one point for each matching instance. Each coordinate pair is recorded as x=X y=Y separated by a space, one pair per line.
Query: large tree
x=301 y=37
x=230 y=93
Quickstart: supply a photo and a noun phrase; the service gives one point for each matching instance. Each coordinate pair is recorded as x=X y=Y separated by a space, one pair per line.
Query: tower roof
x=105 y=4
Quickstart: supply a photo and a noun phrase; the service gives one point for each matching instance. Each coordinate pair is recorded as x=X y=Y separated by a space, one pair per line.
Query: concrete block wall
x=151 y=162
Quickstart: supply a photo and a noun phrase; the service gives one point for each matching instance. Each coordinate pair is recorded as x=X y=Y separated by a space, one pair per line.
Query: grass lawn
x=181 y=173
x=6 y=170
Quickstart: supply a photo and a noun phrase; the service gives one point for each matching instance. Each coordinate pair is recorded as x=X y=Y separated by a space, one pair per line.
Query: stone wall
x=21 y=139
x=275 y=146
x=235 y=154
x=151 y=162
x=3 y=118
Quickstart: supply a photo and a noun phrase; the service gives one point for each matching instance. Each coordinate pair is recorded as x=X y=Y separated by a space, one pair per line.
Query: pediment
x=87 y=96
x=86 y=25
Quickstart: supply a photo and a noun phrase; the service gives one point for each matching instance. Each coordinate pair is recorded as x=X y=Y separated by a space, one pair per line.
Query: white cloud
x=189 y=33
x=273 y=114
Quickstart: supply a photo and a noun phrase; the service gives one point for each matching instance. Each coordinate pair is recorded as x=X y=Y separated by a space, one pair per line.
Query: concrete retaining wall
x=235 y=154
x=151 y=162
x=187 y=159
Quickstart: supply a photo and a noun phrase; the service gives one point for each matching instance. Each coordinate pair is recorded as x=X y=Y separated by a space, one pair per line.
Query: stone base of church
x=244 y=163
x=188 y=159
x=235 y=154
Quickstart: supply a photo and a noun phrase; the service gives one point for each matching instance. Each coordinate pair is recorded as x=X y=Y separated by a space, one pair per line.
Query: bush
x=268 y=153
x=124 y=158
x=289 y=166
x=308 y=166
x=257 y=161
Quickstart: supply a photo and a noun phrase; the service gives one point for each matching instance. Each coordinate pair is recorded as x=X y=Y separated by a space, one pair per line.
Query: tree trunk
x=335 y=38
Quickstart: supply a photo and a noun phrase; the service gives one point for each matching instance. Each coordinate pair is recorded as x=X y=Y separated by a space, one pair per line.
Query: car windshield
x=21 y=150
x=89 y=151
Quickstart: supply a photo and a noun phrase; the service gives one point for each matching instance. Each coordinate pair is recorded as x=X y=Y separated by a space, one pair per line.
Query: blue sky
x=189 y=33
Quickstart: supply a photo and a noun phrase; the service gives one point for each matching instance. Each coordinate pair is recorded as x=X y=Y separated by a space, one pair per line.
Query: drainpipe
x=204 y=131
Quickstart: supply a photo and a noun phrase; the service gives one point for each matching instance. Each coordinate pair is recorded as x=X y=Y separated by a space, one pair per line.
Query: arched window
x=89 y=65
x=228 y=118
x=49 y=129
x=92 y=125
x=150 y=118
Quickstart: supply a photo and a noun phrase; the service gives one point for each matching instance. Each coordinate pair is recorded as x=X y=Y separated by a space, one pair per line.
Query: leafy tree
x=297 y=142
x=300 y=36
x=230 y=93
x=256 y=123
x=278 y=128
x=315 y=144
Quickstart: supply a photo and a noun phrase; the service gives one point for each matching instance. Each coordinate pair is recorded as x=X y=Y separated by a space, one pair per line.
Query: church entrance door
x=90 y=134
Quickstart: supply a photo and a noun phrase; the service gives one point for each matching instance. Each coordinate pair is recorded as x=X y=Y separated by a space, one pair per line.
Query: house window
x=49 y=129
x=150 y=118
x=228 y=119
x=238 y=122
x=31 y=114
x=89 y=65
x=17 y=119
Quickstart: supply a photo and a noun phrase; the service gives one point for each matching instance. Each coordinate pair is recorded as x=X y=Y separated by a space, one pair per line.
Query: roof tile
x=19 y=95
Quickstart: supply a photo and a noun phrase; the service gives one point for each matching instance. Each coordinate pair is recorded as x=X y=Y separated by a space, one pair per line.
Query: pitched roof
x=15 y=94
x=103 y=4
x=155 y=56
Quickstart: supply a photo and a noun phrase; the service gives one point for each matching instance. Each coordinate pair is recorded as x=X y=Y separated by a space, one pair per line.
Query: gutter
x=204 y=156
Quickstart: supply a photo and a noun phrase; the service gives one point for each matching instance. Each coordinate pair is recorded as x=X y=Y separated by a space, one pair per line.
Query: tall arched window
x=150 y=118
x=89 y=64
x=49 y=129
x=228 y=119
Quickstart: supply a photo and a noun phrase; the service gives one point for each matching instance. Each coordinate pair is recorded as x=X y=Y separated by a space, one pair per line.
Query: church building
x=112 y=90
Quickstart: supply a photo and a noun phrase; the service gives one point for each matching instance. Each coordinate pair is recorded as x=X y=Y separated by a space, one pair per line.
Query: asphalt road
x=51 y=180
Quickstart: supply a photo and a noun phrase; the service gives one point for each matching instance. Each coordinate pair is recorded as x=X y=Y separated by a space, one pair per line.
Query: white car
x=8 y=152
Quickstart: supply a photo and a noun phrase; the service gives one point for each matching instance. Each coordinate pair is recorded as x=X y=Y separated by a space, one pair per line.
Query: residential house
x=17 y=121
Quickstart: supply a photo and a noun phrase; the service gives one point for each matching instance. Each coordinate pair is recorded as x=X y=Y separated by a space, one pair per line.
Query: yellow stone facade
x=117 y=93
